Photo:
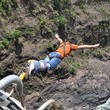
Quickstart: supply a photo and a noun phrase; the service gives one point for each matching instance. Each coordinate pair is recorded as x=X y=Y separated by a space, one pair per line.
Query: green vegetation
x=44 y=2
x=84 y=9
x=42 y=20
x=73 y=66
x=105 y=13
x=14 y=34
x=98 y=33
x=61 y=20
x=4 y=43
x=72 y=13
x=52 y=46
x=6 y=6
x=102 y=0
x=99 y=53
x=2 y=72
x=44 y=23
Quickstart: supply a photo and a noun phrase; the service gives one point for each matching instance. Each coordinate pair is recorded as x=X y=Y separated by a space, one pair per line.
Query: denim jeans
x=53 y=59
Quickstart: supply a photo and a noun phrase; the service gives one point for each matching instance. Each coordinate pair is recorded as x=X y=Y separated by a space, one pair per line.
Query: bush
x=1 y=46
x=61 y=20
x=6 y=6
x=73 y=66
x=17 y=34
x=13 y=35
x=51 y=46
x=1 y=72
x=4 y=43
x=27 y=31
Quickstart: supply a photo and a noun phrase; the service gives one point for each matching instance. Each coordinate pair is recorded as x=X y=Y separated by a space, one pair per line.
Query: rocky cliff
x=27 y=31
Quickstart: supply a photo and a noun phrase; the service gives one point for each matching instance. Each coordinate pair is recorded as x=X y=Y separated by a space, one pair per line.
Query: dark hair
x=74 y=41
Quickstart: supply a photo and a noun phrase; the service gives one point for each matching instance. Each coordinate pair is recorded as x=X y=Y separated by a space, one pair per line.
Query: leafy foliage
x=4 y=43
x=14 y=34
x=1 y=72
x=61 y=20
x=104 y=12
x=73 y=66
x=6 y=6
x=42 y=20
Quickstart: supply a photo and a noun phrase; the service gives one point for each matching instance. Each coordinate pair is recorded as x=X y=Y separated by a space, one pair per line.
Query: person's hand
x=96 y=45
x=57 y=36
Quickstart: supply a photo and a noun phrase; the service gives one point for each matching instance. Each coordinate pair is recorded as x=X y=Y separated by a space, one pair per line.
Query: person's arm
x=88 y=46
x=58 y=38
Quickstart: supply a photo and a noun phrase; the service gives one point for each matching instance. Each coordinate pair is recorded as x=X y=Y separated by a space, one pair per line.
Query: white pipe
x=46 y=104
x=12 y=79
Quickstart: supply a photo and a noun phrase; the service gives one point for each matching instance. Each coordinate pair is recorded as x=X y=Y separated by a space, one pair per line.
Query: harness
x=50 y=57
x=64 y=50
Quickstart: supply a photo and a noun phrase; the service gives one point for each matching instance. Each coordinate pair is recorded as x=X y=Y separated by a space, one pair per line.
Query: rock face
x=27 y=31
x=88 y=89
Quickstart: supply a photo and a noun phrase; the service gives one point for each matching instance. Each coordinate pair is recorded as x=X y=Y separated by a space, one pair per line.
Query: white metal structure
x=9 y=103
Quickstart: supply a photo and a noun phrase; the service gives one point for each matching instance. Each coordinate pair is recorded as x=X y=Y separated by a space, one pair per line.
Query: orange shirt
x=65 y=48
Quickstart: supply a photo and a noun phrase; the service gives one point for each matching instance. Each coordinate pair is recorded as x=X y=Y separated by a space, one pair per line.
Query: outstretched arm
x=58 y=38
x=88 y=46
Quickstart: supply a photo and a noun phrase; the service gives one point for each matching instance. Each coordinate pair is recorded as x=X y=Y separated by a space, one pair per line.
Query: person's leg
x=54 y=62
x=50 y=56
x=33 y=67
x=47 y=59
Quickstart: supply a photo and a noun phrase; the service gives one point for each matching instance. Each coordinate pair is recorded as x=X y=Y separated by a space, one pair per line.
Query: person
x=51 y=61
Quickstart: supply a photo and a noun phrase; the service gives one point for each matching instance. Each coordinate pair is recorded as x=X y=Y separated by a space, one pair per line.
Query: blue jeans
x=38 y=67
x=53 y=59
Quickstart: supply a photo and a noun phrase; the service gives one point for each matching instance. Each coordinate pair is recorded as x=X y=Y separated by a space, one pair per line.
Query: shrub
x=61 y=20
x=1 y=46
x=6 y=6
x=42 y=20
x=73 y=66
x=105 y=13
x=1 y=73
x=27 y=31
x=17 y=34
x=4 y=43
x=51 y=46
x=13 y=35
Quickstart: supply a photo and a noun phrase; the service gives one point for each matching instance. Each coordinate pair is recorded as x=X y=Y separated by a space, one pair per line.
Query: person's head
x=73 y=41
